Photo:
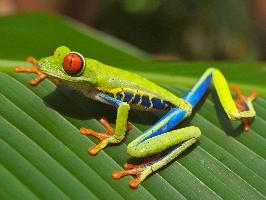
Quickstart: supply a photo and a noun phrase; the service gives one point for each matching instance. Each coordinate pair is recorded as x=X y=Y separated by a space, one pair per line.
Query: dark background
x=169 y=29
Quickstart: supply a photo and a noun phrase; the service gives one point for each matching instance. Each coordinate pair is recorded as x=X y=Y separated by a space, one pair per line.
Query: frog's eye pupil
x=73 y=63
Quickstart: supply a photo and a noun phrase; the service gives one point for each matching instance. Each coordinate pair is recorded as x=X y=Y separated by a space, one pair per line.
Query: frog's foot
x=41 y=76
x=146 y=161
x=105 y=138
x=141 y=171
x=242 y=104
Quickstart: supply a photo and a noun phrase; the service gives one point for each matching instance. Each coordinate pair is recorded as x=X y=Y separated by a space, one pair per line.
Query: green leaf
x=43 y=155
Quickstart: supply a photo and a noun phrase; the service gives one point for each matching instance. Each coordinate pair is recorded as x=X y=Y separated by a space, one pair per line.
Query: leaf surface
x=44 y=156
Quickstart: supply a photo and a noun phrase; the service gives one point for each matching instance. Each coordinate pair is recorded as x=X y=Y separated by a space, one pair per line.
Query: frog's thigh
x=156 y=144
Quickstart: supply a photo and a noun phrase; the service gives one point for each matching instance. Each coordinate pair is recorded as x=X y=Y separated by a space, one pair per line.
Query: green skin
x=105 y=79
x=97 y=79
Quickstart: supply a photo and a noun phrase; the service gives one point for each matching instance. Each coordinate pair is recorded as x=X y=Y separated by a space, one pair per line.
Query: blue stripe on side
x=145 y=101
x=158 y=104
x=128 y=96
x=119 y=96
x=136 y=99
x=194 y=95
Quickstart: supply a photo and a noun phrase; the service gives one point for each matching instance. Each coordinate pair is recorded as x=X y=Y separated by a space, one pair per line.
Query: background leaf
x=43 y=155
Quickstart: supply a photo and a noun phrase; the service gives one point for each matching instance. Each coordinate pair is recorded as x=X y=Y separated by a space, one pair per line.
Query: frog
x=125 y=90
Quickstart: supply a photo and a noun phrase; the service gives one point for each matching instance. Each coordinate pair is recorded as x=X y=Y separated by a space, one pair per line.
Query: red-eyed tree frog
x=125 y=90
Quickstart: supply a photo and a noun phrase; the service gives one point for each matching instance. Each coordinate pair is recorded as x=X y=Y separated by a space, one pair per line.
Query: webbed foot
x=105 y=138
x=141 y=171
x=242 y=104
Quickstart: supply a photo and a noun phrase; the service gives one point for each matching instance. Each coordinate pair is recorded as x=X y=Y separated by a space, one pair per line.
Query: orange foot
x=241 y=104
x=41 y=76
x=141 y=171
x=101 y=136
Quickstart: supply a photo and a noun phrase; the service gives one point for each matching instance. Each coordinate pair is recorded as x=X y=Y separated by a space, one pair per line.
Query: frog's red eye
x=73 y=63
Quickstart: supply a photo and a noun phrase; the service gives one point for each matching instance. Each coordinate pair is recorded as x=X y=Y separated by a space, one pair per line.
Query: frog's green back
x=111 y=79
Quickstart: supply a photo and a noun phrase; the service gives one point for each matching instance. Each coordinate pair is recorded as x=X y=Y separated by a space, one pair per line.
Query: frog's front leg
x=40 y=75
x=112 y=135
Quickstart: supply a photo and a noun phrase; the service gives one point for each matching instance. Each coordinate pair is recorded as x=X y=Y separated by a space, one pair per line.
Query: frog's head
x=67 y=66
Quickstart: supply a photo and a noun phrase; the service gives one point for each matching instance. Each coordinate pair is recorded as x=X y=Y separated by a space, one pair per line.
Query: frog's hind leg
x=241 y=108
x=184 y=137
